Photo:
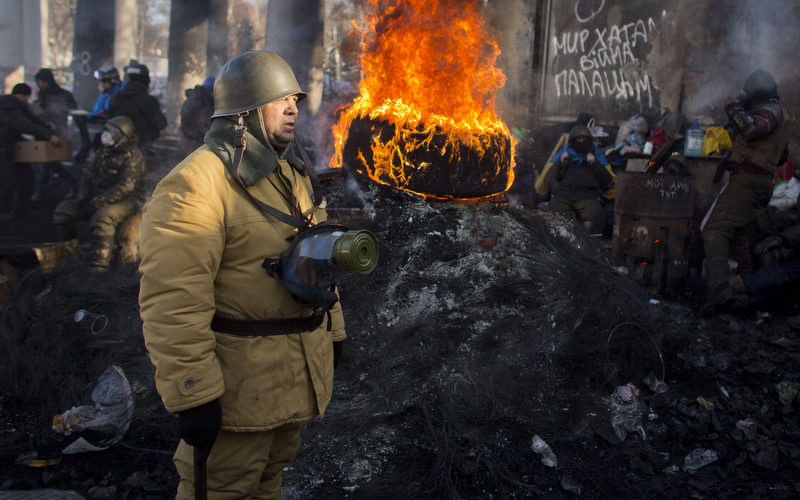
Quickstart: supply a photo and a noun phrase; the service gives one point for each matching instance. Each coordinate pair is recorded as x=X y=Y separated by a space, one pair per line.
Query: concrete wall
x=23 y=35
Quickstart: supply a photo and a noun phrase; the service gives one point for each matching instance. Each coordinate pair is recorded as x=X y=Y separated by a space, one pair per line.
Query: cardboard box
x=42 y=151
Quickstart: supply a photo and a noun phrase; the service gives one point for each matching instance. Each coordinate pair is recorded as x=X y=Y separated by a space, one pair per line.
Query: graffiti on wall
x=599 y=60
x=597 y=55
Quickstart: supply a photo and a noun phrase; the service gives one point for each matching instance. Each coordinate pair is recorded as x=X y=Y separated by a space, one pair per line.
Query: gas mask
x=107 y=138
x=309 y=267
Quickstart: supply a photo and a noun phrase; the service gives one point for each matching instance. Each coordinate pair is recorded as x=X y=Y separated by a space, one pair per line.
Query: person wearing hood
x=196 y=113
x=241 y=361
x=16 y=180
x=56 y=104
x=762 y=129
x=578 y=178
x=111 y=189
x=134 y=101
x=108 y=83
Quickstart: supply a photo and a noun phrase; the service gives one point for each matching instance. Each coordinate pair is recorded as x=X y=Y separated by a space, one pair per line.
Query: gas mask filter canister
x=309 y=267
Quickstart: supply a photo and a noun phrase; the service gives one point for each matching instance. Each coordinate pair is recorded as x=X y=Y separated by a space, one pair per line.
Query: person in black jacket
x=196 y=113
x=17 y=118
x=56 y=104
x=578 y=178
x=134 y=101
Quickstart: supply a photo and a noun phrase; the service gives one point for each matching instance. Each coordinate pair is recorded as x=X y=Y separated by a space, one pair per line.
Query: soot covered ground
x=481 y=328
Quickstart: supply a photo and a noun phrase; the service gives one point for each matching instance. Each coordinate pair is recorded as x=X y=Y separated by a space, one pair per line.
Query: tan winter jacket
x=202 y=245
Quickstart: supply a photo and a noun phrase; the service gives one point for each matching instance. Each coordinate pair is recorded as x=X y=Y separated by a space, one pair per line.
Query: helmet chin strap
x=240 y=144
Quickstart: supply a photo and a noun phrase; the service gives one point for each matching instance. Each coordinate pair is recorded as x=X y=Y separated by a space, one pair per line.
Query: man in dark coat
x=762 y=129
x=17 y=118
x=56 y=104
x=196 y=113
x=112 y=188
x=134 y=101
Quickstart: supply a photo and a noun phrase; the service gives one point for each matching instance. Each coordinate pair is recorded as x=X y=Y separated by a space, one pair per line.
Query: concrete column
x=93 y=47
x=23 y=40
x=11 y=67
x=125 y=22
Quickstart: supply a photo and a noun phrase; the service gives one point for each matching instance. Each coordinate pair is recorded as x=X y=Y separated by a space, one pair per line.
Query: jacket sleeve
x=763 y=121
x=155 y=117
x=15 y=118
x=182 y=241
x=792 y=237
x=603 y=176
x=128 y=179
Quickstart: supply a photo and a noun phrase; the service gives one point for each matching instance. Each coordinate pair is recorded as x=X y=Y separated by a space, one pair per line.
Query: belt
x=265 y=327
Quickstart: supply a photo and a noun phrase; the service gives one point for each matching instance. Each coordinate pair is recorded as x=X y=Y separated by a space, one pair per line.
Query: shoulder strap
x=240 y=145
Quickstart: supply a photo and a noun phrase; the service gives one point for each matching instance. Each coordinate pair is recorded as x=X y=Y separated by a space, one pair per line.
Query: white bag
x=784 y=196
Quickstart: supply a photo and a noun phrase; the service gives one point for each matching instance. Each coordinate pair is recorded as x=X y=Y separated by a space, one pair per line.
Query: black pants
x=16 y=186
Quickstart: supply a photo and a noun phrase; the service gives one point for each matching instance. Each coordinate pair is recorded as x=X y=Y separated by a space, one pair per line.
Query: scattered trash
x=787 y=392
x=570 y=485
x=98 y=323
x=108 y=418
x=626 y=411
x=654 y=301
x=620 y=270
x=539 y=446
x=748 y=427
x=30 y=459
x=670 y=469
x=699 y=458
x=706 y=404
x=655 y=384
x=101 y=492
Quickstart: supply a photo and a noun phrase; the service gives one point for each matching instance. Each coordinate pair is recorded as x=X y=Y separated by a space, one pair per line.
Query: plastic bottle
x=693 y=143
x=539 y=446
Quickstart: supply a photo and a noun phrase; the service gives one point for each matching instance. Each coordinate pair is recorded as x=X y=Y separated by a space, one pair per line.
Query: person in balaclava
x=762 y=128
x=112 y=187
x=578 y=179
x=240 y=361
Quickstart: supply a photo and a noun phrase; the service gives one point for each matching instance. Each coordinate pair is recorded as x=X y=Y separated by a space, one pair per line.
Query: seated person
x=111 y=189
x=777 y=252
x=781 y=268
x=578 y=179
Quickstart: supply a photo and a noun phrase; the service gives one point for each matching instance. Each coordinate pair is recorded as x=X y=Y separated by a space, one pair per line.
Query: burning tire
x=429 y=163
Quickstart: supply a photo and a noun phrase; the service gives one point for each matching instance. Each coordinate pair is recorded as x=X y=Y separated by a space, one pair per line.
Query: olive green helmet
x=580 y=131
x=252 y=79
x=121 y=124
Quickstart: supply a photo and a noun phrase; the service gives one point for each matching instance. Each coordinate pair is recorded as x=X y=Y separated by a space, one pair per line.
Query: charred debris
x=494 y=353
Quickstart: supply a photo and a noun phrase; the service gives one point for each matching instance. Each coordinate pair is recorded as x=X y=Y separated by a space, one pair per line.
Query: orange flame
x=428 y=70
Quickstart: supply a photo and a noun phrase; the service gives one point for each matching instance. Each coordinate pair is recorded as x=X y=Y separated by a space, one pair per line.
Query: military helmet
x=121 y=125
x=580 y=131
x=107 y=73
x=252 y=79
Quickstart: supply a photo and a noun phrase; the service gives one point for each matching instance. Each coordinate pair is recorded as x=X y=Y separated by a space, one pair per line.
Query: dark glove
x=732 y=106
x=337 y=353
x=86 y=207
x=199 y=426
x=738 y=116
x=767 y=244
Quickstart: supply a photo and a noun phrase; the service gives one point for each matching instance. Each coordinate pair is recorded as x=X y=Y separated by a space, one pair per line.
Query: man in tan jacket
x=240 y=361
